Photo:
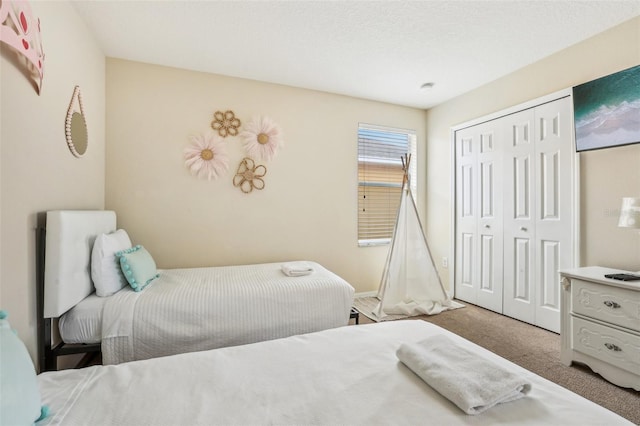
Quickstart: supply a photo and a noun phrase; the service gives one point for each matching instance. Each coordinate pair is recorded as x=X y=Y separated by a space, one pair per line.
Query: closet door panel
x=519 y=208
x=554 y=213
x=467 y=242
x=466 y=286
x=549 y=185
x=522 y=270
x=490 y=244
x=549 y=297
x=521 y=186
x=479 y=216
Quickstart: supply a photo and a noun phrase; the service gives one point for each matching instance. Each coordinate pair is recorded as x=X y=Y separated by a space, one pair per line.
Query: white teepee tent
x=410 y=283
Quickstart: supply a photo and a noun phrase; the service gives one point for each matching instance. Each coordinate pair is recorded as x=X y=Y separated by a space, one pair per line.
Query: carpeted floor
x=535 y=349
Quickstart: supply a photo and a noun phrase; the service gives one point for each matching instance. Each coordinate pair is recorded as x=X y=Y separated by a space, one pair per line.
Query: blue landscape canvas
x=607 y=111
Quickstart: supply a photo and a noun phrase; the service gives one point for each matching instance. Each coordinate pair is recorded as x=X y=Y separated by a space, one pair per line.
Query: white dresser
x=600 y=324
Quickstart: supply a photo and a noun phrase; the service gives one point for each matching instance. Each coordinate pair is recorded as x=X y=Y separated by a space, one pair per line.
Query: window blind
x=380 y=180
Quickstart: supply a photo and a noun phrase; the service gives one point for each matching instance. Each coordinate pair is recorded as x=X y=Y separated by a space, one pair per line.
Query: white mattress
x=195 y=309
x=348 y=375
x=83 y=322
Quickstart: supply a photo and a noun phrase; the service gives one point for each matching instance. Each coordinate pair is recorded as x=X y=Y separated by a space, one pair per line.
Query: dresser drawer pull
x=611 y=304
x=612 y=347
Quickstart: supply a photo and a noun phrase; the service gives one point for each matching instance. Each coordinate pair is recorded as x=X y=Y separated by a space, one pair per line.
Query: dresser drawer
x=610 y=304
x=606 y=344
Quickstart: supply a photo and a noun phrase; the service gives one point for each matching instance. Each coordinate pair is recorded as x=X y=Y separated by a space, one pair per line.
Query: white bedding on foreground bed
x=347 y=375
x=187 y=310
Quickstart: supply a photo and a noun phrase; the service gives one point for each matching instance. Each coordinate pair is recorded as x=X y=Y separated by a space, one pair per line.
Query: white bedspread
x=187 y=310
x=348 y=375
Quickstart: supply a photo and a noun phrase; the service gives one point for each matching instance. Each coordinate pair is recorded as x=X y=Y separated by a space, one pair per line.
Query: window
x=380 y=179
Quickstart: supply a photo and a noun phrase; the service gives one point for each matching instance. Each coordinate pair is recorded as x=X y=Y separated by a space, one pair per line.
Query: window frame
x=412 y=142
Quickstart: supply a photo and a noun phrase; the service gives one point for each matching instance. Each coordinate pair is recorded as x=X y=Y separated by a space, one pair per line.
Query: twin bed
x=346 y=375
x=181 y=310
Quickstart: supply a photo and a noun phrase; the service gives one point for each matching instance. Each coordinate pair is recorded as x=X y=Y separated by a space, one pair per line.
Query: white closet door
x=520 y=175
x=479 y=216
x=515 y=212
x=538 y=215
x=490 y=243
x=466 y=215
x=554 y=207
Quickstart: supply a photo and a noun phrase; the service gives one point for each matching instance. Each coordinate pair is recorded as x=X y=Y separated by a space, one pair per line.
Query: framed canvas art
x=607 y=111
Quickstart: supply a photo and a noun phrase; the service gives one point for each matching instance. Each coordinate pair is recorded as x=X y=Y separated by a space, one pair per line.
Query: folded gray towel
x=470 y=381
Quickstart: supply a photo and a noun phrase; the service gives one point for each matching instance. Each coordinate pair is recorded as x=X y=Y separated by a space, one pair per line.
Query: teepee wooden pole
x=406 y=161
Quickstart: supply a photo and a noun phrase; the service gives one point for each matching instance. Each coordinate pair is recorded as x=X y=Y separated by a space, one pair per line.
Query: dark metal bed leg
x=50 y=360
x=354 y=314
x=43 y=324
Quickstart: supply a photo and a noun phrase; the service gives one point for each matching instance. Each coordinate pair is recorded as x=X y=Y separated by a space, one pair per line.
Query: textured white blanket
x=187 y=310
x=472 y=382
x=343 y=376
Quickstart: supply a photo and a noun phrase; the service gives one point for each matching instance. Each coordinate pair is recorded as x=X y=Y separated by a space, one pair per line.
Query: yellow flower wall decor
x=225 y=123
x=206 y=156
x=262 y=138
x=249 y=176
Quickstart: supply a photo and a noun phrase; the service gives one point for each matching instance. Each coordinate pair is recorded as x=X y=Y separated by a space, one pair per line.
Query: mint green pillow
x=137 y=266
x=19 y=393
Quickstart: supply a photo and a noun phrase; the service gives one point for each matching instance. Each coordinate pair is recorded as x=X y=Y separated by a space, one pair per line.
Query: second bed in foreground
x=347 y=375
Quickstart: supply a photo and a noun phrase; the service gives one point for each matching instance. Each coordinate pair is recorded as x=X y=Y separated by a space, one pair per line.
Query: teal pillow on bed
x=137 y=266
x=19 y=393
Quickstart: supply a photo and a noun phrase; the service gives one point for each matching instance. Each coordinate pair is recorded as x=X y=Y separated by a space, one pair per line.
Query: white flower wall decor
x=206 y=156
x=262 y=138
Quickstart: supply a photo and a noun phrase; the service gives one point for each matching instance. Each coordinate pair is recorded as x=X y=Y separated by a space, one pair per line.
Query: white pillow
x=105 y=268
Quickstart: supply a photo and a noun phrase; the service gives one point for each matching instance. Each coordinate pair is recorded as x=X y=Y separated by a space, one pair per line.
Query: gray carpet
x=535 y=349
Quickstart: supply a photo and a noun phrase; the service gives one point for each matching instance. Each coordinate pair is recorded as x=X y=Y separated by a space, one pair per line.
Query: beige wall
x=308 y=207
x=37 y=170
x=606 y=176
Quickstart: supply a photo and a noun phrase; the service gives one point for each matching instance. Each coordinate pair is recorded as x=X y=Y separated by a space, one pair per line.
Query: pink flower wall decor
x=262 y=138
x=206 y=156
x=21 y=30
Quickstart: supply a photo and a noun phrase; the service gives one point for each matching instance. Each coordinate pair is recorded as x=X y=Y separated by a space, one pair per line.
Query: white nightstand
x=600 y=324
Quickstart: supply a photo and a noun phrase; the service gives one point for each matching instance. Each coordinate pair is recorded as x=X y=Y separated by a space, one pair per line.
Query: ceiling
x=378 y=50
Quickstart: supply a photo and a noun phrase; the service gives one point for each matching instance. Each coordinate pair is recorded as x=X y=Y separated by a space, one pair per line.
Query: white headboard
x=67 y=268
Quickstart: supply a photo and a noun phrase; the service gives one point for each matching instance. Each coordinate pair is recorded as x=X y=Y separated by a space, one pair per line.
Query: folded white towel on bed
x=297 y=269
x=470 y=381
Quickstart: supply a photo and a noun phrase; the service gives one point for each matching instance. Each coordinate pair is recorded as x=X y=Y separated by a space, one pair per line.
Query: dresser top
x=597 y=273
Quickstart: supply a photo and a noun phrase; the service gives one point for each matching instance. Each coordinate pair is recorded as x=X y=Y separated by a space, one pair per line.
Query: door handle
x=522 y=228
x=487 y=226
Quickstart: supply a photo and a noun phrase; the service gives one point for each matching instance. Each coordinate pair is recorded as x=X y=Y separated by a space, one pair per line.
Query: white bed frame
x=64 y=280
x=64 y=275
